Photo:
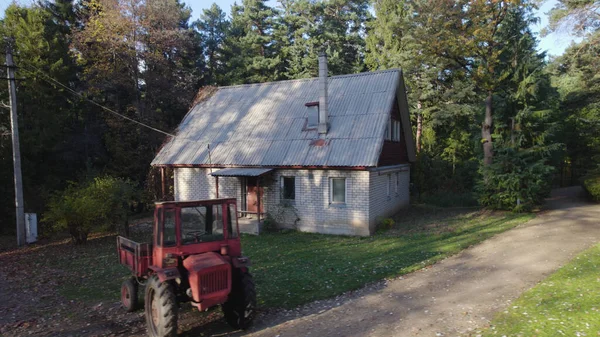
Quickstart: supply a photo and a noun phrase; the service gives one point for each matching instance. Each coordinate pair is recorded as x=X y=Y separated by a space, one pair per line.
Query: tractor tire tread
x=132 y=288
x=167 y=301
x=243 y=293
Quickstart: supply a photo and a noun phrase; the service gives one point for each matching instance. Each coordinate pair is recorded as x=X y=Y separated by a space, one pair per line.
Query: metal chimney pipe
x=323 y=97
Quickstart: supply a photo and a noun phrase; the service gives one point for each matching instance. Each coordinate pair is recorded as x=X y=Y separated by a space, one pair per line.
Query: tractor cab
x=194 y=227
x=194 y=256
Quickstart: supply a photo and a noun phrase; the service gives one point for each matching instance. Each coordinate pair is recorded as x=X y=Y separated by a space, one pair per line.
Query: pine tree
x=213 y=27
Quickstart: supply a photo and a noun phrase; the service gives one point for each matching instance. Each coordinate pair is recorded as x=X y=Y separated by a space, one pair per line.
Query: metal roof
x=241 y=172
x=264 y=124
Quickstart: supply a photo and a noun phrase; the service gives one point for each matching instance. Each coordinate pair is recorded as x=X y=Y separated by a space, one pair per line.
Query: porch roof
x=241 y=172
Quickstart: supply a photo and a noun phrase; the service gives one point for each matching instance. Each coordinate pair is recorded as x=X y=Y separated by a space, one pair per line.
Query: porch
x=251 y=207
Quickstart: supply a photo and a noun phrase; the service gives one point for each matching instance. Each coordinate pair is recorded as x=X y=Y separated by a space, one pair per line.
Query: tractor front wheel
x=240 y=308
x=129 y=294
x=161 y=308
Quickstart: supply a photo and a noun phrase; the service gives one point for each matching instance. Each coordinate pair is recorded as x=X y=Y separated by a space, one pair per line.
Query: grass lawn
x=565 y=304
x=289 y=268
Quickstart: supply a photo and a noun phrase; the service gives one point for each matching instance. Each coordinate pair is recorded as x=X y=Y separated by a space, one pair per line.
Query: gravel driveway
x=460 y=294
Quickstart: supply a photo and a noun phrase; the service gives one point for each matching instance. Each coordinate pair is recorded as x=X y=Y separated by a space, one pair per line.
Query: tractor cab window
x=201 y=224
x=169 y=238
x=232 y=221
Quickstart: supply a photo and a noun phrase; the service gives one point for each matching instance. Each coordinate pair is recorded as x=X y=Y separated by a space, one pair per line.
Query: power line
x=51 y=80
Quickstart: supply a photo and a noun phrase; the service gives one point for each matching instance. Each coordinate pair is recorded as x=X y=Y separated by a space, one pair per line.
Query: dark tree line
x=490 y=113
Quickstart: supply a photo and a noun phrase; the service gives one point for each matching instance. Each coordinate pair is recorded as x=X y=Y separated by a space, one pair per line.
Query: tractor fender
x=165 y=274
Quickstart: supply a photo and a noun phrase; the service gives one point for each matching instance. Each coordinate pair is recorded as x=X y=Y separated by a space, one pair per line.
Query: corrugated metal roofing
x=264 y=124
x=241 y=172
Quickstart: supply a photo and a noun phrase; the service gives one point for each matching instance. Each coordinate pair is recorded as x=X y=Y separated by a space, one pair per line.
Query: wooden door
x=251 y=195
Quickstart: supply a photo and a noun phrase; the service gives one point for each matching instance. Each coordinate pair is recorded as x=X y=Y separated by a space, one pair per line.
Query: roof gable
x=264 y=124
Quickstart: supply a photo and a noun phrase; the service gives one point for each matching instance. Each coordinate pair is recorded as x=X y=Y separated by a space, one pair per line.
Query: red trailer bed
x=136 y=256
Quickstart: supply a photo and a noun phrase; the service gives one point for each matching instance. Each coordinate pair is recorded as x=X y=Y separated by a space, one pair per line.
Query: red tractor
x=195 y=257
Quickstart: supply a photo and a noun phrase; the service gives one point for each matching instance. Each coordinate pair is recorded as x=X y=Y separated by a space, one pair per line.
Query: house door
x=251 y=195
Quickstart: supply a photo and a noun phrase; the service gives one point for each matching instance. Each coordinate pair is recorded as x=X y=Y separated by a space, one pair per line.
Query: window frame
x=282 y=187
x=331 y=194
x=389 y=185
x=313 y=109
x=162 y=227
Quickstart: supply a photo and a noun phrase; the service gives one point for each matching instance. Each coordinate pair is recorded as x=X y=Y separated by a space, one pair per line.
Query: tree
x=468 y=34
x=579 y=16
x=336 y=27
x=251 y=53
x=140 y=59
x=575 y=75
x=213 y=28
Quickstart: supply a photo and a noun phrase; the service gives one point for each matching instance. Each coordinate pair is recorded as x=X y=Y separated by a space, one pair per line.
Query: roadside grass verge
x=290 y=268
x=567 y=303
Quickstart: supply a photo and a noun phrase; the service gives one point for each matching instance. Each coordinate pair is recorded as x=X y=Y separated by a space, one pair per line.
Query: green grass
x=289 y=268
x=565 y=304
x=295 y=268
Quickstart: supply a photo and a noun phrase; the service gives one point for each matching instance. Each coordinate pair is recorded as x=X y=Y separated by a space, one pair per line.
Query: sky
x=554 y=44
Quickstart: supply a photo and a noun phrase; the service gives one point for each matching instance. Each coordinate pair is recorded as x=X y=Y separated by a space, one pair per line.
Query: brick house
x=327 y=154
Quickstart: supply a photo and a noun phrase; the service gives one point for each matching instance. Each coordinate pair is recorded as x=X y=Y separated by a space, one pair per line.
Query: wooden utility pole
x=14 y=125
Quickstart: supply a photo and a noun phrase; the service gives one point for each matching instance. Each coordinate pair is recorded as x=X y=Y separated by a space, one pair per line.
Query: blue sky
x=555 y=43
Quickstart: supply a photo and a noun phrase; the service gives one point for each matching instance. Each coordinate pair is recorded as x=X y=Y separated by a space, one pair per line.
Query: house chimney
x=323 y=108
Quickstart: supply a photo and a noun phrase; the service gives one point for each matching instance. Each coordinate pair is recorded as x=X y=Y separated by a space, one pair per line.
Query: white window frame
x=331 y=191
x=281 y=185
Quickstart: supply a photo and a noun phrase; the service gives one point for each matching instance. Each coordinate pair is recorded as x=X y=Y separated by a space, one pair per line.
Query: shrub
x=99 y=205
x=516 y=181
x=592 y=187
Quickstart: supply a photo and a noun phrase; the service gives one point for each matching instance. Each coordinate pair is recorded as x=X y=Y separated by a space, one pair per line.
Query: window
x=288 y=188
x=388 y=130
x=392 y=133
x=313 y=116
x=337 y=190
x=232 y=222
x=169 y=237
x=201 y=224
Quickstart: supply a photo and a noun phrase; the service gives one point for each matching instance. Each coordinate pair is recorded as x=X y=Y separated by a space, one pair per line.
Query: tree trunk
x=486 y=131
x=419 y=127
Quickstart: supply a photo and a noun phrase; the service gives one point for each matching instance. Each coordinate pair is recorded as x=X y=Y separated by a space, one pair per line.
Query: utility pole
x=14 y=126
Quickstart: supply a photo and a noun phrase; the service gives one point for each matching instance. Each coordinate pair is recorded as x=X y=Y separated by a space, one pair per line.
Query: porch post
x=163 y=182
x=258 y=196
x=217 y=180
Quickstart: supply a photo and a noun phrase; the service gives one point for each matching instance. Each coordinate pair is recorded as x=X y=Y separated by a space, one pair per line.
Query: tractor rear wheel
x=240 y=308
x=161 y=308
x=129 y=294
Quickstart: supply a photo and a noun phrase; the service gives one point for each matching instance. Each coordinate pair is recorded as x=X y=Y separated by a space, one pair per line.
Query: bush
x=592 y=187
x=516 y=181
x=101 y=204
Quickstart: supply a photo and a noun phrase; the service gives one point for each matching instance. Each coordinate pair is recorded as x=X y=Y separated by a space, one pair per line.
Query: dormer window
x=313 y=115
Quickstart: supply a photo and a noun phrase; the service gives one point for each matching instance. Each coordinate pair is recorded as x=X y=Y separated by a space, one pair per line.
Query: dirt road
x=461 y=293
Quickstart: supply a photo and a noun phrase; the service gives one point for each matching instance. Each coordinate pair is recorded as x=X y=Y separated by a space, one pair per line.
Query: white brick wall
x=384 y=204
x=366 y=197
x=197 y=184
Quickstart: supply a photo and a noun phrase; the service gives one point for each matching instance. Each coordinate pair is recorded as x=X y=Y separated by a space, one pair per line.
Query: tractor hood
x=209 y=276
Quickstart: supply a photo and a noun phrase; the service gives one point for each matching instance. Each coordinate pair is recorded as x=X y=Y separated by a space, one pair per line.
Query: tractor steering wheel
x=196 y=235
